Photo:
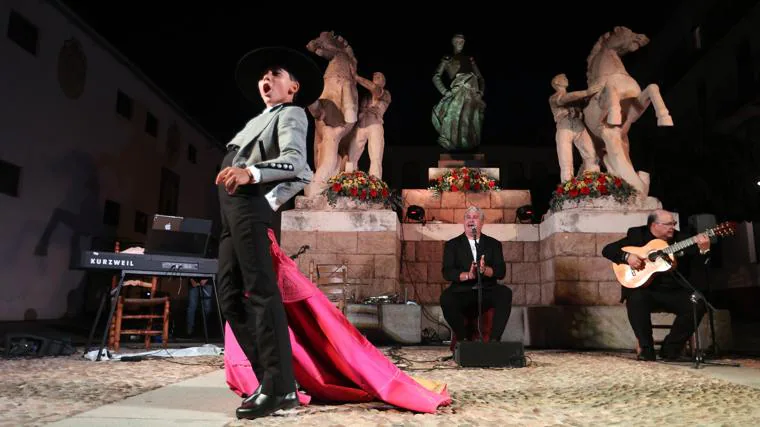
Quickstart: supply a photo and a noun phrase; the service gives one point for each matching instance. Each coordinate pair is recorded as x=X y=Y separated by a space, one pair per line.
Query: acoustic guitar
x=659 y=257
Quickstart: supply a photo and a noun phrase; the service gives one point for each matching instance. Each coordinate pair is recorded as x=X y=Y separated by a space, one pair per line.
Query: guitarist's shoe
x=669 y=353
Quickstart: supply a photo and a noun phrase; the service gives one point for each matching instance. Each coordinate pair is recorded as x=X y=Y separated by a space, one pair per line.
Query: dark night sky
x=191 y=51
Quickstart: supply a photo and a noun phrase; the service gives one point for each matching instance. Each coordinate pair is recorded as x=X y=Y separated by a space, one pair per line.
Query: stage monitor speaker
x=509 y=354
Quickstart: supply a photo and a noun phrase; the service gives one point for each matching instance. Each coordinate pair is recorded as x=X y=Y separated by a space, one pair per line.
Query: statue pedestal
x=609 y=204
x=573 y=269
x=364 y=237
x=499 y=207
x=456 y=160
x=449 y=161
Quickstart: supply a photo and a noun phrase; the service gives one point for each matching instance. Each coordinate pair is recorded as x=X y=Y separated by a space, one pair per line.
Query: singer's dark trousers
x=458 y=303
x=248 y=294
x=643 y=301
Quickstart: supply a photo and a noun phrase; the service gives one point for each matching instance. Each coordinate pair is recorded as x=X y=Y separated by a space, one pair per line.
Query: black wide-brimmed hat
x=252 y=65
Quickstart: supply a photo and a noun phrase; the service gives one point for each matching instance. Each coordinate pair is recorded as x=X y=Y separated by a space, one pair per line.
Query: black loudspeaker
x=25 y=345
x=508 y=354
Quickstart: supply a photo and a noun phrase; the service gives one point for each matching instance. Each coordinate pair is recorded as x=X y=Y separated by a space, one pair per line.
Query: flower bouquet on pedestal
x=591 y=186
x=465 y=180
x=357 y=186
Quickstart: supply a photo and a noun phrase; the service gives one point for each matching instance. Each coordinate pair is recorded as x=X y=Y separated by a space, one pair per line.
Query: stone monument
x=611 y=111
x=458 y=116
x=337 y=109
x=577 y=285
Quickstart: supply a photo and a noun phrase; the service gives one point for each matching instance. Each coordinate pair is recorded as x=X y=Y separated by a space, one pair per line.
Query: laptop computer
x=180 y=236
x=167 y=222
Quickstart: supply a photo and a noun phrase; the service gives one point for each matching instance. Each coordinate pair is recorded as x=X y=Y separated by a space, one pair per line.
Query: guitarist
x=664 y=292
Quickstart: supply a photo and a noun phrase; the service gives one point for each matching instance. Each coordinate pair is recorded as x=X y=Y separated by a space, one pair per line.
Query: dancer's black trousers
x=248 y=294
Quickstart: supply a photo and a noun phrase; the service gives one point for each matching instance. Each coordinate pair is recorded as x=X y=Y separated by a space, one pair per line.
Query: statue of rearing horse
x=336 y=111
x=611 y=112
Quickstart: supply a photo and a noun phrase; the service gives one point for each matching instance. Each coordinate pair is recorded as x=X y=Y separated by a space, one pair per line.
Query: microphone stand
x=695 y=297
x=479 y=286
x=715 y=350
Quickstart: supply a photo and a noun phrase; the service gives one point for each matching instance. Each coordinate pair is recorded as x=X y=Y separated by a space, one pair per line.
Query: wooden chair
x=152 y=301
x=691 y=344
x=332 y=279
x=471 y=326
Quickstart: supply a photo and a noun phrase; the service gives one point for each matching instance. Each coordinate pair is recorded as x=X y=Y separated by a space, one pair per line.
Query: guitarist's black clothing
x=663 y=293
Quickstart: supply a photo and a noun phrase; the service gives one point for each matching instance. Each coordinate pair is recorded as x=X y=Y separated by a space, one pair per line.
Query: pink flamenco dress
x=332 y=360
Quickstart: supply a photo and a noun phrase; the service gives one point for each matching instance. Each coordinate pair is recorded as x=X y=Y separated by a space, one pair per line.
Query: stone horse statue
x=336 y=111
x=611 y=112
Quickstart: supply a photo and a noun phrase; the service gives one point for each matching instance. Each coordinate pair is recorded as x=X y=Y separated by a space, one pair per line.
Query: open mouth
x=266 y=88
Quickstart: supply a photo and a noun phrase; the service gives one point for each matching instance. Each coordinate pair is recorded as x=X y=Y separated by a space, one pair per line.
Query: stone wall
x=422 y=253
x=558 y=262
x=564 y=292
x=367 y=241
x=574 y=272
x=422 y=249
x=499 y=206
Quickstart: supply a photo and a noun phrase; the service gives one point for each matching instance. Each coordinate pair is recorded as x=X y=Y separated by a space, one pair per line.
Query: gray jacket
x=274 y=142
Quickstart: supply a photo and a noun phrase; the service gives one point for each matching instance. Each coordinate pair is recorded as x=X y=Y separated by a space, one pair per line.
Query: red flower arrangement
x=592 y=185
x=464 y=179
x=357 y=185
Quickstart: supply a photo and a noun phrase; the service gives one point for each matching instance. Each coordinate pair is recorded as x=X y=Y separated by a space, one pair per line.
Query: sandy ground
x=556 y=388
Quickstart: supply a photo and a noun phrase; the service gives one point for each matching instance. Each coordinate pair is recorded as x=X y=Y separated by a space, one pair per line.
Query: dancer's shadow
x=80 y=211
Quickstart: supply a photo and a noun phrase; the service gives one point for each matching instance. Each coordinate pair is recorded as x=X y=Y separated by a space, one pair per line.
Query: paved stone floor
x=556 y=388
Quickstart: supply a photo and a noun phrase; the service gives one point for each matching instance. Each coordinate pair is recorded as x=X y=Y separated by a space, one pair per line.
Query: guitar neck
x=679 y=246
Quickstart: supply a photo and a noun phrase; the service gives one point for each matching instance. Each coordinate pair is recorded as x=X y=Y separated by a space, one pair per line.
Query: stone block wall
x=499 y=206
x=422 y=255
x=574 y=272
x=366 y=241
x=555 y=270
x=422 y=249
x=558 y=262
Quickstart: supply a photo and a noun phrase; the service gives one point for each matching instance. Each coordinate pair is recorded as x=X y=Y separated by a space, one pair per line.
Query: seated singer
x=664 y=292
x=460 y=300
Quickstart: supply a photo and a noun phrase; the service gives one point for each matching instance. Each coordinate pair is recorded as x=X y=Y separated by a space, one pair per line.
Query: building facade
x=90 y=150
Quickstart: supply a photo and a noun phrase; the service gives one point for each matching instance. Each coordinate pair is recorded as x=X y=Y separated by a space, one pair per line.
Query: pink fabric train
x=332 y=361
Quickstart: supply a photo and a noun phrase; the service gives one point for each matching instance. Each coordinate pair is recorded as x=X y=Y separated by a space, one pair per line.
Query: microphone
x=300 y=251
x=474 y=232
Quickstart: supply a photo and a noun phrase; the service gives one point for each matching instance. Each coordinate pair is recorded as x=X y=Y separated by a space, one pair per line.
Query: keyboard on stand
x=155 y=264
x=143 y=264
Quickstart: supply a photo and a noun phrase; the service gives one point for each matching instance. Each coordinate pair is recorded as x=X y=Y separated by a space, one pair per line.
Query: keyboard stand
x=115 y=298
